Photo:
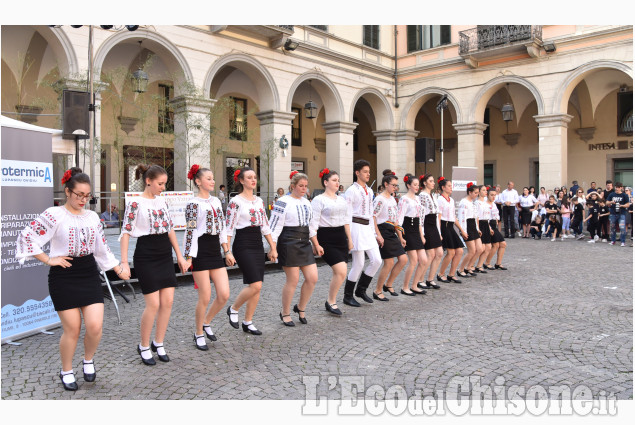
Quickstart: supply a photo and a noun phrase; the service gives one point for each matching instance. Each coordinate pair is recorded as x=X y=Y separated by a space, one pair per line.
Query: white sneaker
x=603 y=240
x=622 y=244
x=596 y=237
x=553 y=239
x=591 y=241
x=611 y=243
x=562 y=238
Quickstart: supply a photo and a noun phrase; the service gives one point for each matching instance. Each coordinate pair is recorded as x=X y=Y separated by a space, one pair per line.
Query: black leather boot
x=348 y=294
x=362 y=285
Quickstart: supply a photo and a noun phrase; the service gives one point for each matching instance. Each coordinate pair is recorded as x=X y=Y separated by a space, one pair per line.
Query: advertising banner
x=461 y=176
x=176 y=204
x=27 y=190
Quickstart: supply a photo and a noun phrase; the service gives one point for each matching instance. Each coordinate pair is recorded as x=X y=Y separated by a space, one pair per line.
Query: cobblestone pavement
x=561 y=315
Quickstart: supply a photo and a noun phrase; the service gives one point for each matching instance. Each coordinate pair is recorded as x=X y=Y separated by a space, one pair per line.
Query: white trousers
x=374 y=263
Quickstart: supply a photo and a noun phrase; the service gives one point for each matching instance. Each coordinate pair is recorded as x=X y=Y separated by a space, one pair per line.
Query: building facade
x=233 y=95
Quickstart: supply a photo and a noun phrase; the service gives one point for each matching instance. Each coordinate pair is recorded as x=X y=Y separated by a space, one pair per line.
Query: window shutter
x=371 y=36
x=414 y=38
x=445 y=34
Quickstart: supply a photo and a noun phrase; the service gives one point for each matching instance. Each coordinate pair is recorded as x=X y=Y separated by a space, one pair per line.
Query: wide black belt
x=360 y=220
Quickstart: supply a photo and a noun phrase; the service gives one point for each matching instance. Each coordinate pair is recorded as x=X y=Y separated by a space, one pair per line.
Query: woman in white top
x=484 y=214
x=331 y=224
x=409 y=213
x=204 y=234
x=390 y=241
x=498 y=241
x=451 y=240
x=528 y=203
x=290 y=221
x=247 y=218
x=431 y=230
x=468 y=218
x=499 y=205
x=78 y=247
x=147 y=218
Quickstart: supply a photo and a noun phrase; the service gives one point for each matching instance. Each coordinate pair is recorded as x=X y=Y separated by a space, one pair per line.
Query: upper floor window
x=296 y=136
x=625 y=113
x=238 y=119
x=371 y=36
x=421 y=37
x=320 y=27
x=165 y=113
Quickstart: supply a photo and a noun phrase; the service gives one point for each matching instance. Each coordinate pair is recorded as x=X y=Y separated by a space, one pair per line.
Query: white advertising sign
x=27 y=173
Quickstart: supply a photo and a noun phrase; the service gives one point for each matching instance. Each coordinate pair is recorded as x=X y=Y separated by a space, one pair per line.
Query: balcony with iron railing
x=238 y=130
x=489 y=41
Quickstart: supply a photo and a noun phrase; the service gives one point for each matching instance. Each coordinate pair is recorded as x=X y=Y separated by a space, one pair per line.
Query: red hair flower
x=405 y=179
x=470 y=184
x=293 y=173
x=236 y=174
x=394 y=174
x=193 y=170
x=421 y=178
x=440 y=179
x=66 y=177
x=324 y=172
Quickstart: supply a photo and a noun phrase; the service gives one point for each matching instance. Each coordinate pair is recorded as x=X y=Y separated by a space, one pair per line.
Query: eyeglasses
x=82 y=197
x=396 y=186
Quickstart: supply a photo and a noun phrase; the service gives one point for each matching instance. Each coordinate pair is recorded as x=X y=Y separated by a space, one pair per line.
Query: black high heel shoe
x=150 y=361
x=297 y=310
x=410 y=294
x=209 y=334
x=422 y=292
x=162 y=357
x=331 y=309
x=480 y=270
x=71 y=386
x=289 y=323
x=442 y=280
x=251 y=331
x=391 y=291
x=430 y=284
x=469 y=272
x=203 y=347
x=234 y=324
x=500 y=267
x=488 y=267
x=463 y=275
x=89 y=377
x=453 y=279
x=375 y=296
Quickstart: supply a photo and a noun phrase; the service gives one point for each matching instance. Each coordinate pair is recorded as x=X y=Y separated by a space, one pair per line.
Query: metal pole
x=441 y=141
x=91 y=108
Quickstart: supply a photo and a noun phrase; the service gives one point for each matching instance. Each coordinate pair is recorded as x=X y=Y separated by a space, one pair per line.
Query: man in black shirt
x=618 y=202
x=593 y=218
x=578 y=212
x=609 y=189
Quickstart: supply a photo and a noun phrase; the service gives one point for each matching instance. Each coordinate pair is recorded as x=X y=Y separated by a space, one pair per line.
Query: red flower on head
x=394 y=174
x=236 y=173
x=66 y=177
x=440 y=178
x=421 y=177
x=324 y=172
x=293 y=173
x=405 y=179
x=470 y=184
x=193 y=170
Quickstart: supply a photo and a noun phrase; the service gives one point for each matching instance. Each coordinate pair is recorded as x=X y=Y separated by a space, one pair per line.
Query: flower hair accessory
x=67 y=176
x=405 y=179
x=236 y=174
x=440 y=179
x=293 y=173
x=421 y=178
x=193 y=170
x=470 y=184
x=394 y=174
x=324 y=172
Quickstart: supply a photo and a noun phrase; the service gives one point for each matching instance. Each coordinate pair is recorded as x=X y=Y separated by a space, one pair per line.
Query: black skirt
x=76 y=286
x=335 y=244
x=472 y=231
x=412 y=233
x=486 y=236
x=430 y=231
x=500 y=209
x=525 y=216
x=497 y=236
x=208 y=256
x=392 y=246
x=250 y=254
x=153 y=263
x=451 y=239
x=294 y=247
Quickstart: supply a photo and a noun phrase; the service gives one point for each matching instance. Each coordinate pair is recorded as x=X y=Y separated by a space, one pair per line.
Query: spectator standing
x=618 y=202
x=110 y=218
x=609 y=189
x=509 y=198
x=593 y=188
x=565 y=211
x=222 y=197
x=604 y=220
x=574 y=188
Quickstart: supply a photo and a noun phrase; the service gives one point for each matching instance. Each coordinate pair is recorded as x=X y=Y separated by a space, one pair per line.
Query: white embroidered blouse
x=428 y=203
x=291 y=212
x=466 y=211
x=528 y=201
x=409 y=207
x=360 y=198
x=494 y=212
x=483 y=211
x=385 y=209
x=202 y=216
x=242 y=213
x=145 y=216
x=70 y=235
x=447 y=209
x=329 y=212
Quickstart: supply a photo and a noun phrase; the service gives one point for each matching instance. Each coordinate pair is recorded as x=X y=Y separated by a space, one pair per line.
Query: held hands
x=183 y=264
x=60 y=261
x=403 y=242
x=273 y=255
x=318 y=250
x=463 y=234
x=189 y=263
x=229 y=259
x=380 y=240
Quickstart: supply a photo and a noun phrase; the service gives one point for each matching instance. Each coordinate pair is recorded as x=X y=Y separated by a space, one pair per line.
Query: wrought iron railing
x=238 y=130
x=486 y=37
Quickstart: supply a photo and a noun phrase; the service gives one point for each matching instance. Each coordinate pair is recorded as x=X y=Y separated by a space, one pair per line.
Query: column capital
x=275 y=117
x=182 y=104
x=339 y=127
x=406 y=134
x=470 y=128
x=382 y=135
x=553 y=120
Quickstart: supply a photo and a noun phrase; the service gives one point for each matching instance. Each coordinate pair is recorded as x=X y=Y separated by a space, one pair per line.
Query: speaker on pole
x=75 y=114
x=425 y=149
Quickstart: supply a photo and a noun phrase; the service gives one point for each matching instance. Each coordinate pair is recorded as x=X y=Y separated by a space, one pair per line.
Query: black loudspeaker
x=75 y=113
x=424 y=150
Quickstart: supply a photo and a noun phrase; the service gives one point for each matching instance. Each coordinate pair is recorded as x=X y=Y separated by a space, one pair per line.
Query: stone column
x=395 y=151
x=275 y=162
x=470 y=146
x=552 y=149
x=339 y=149
x=191 y=136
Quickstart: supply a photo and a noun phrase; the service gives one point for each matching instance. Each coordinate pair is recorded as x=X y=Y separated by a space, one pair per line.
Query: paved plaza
x=561 y=315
